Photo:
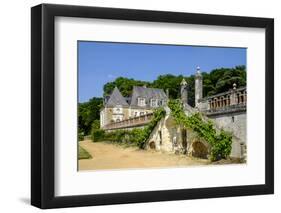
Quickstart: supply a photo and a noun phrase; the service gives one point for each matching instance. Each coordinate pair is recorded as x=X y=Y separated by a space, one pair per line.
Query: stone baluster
x=215 y=103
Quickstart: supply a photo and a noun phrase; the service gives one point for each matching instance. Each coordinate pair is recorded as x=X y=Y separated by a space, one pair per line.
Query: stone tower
x=184 y=96
x=198 y=86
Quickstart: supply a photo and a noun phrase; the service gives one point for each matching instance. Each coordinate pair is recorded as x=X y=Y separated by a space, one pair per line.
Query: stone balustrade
x=131 y=122
x=234 y=99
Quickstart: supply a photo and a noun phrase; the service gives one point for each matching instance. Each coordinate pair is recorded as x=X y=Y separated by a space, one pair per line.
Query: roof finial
x=183 y=82
x=198 y=71
x=234 y=86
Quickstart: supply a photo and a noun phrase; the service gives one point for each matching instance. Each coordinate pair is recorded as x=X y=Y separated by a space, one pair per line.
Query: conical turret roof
x=116 y=98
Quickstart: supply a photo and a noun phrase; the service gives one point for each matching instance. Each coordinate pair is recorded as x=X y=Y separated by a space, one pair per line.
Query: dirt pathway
x=111 y=156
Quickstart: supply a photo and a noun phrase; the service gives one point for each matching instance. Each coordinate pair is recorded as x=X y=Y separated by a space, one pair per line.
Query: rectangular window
x=153 y=103
x=141 y=101
x=161 y=102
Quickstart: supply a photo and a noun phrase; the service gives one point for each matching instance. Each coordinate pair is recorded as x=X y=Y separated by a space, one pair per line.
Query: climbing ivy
x=137 y=136
x=220 y=142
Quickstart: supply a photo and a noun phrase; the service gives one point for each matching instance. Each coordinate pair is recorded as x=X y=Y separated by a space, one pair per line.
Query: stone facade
x=114 y=114
x=236 y=123
x=142 y=102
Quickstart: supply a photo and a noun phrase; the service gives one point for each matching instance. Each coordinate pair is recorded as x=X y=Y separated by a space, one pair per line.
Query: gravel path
x=111 y=156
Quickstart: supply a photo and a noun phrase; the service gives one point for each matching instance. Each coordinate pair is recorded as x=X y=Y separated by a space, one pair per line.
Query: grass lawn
x=83 y=154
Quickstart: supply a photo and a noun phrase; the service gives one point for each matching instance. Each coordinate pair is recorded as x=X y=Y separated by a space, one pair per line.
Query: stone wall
x=166 y=136
x=236 y=123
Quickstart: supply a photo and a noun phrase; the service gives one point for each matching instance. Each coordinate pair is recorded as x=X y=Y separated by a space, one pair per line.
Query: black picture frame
x=43 y=102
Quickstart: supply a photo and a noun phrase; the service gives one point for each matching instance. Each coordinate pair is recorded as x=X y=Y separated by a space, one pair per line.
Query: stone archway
x=152 y=145
x=199 y=150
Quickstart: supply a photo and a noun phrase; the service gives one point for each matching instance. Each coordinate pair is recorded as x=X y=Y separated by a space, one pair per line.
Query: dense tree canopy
x=125 y=85
x=89 y=114
x=218 y=80
x=221 y=80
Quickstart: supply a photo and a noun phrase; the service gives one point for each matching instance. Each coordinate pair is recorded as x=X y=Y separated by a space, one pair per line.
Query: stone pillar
x=198 y=86
x=233 y=98
x=184 y=95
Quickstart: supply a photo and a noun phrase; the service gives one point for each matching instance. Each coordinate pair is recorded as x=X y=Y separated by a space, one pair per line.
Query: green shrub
x=97 y=135
x=80 y=136
x=139 y=137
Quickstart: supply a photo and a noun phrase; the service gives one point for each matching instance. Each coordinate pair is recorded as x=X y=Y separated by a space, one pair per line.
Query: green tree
x=125 y=86
x=88 y=112
x=170 y=82
x=221 y=80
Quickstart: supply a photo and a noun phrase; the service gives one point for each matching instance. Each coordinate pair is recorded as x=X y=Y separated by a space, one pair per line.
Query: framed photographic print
x=139 y=106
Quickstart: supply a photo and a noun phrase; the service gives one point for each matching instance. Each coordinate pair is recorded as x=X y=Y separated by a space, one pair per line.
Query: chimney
x=106 y=98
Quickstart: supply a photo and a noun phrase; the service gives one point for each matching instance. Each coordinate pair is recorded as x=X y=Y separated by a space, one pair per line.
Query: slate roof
x=147 y=93
x=116 y=98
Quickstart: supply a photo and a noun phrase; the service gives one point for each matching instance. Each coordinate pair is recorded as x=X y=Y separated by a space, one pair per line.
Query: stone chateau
x=142 y=102
x=227 y=110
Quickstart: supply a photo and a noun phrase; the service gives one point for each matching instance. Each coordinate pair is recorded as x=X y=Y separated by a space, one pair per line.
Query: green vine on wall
x=220 y=142
x=137 y=136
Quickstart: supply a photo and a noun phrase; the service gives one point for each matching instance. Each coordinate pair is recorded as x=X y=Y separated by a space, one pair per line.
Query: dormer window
x=153 y=103
x=141 y=101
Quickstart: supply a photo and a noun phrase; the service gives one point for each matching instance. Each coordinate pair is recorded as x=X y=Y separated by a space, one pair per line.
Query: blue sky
x=102 y=62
